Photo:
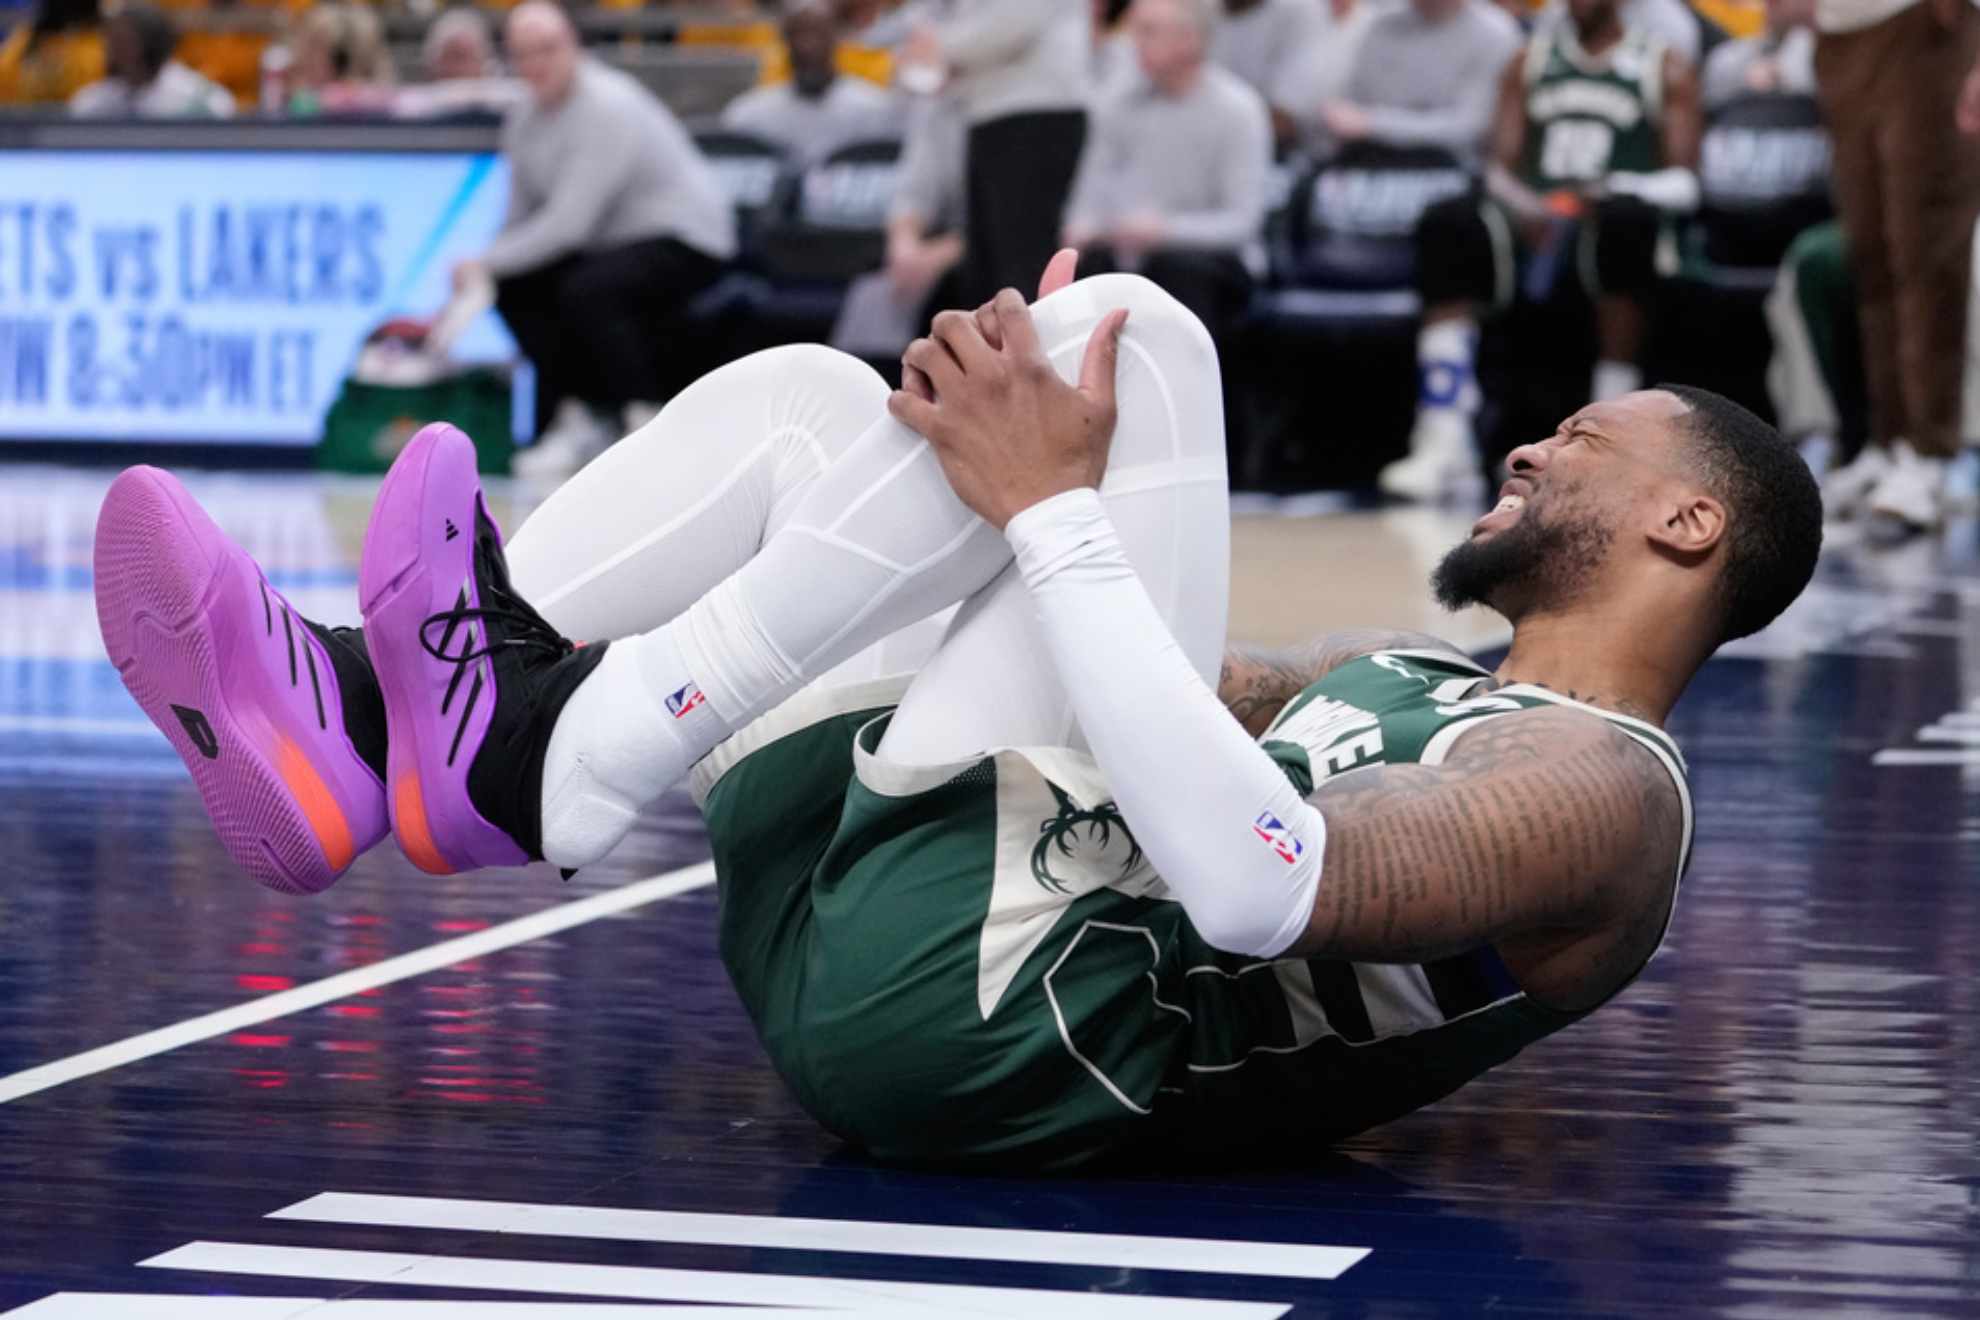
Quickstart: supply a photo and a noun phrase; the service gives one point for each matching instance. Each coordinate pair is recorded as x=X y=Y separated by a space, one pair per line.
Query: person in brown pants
x=1896 y=77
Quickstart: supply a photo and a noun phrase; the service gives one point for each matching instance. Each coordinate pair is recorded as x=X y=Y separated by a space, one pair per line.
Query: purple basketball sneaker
x=278 y=718
x=473 y=677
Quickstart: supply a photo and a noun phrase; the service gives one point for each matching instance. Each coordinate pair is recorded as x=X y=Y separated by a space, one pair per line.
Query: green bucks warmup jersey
x=975 y=963
x=1587 y=116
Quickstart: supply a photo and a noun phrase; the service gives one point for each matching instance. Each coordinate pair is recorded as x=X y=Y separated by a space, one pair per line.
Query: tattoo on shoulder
x=1257 y=684
x=1549 y=820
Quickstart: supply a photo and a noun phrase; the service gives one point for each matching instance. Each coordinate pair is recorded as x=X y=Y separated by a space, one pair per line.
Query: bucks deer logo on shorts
x=1077 y=835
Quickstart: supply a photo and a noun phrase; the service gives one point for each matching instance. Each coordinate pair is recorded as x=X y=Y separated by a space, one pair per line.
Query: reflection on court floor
x=504 y=1095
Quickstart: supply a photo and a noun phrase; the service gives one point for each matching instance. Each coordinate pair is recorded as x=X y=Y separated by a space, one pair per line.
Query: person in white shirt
x=1898 y=80
x=145 y=81
x=819 y=110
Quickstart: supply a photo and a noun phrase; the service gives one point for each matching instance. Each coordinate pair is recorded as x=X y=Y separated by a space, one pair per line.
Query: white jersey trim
x=812 y=705
x=1452 y=657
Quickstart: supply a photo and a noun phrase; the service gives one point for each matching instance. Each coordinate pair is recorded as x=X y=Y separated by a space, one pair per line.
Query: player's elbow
x=1236 y=933
x=1262 y=907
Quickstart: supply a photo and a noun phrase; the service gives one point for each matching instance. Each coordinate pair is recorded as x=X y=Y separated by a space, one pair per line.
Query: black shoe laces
x=523 y=628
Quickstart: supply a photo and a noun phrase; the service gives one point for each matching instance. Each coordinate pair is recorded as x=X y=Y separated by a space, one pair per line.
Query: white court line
x=417 y=963
x=1941 y=733
x=166 y=1306
x=1113 y=1250
x=1913 y=756
x=80 y=726
x=863 y=1296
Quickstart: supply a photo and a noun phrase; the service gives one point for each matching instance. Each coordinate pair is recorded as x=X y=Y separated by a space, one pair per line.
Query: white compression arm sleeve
x=1214 y=814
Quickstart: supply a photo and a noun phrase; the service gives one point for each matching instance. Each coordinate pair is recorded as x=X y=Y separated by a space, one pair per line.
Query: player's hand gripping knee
x=1009 y=432
x=1059 y=272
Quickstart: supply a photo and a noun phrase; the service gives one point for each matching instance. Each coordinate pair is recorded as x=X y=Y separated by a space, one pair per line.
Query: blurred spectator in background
x=1426 y=74
x=1111 y=57
x=1779 y=60
x=819 y=109
x=868 y=32
x=228 y=45
x=1174 y=178
x=1269 y=44
x=53 y=55
x=924 y=223
x=1019 y=69
x=464 y=77
x=1595 y=143
x=145 y=81
x=615 y=222
x=886 y=310
x=1897 y=78
x=335 y=62
x=1673 y=22
x=459 y=46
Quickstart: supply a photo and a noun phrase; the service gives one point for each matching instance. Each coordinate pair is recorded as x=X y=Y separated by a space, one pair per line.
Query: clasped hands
x=1009 y=432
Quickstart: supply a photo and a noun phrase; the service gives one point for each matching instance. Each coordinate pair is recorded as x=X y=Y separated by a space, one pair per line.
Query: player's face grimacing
x=1551 y=532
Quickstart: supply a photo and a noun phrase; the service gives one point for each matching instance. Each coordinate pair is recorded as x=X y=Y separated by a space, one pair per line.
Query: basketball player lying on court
x=1039 y=896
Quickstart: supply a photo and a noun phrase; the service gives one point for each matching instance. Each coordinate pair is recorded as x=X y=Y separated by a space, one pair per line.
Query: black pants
x=1020 y=173
x=1214 y=285
x=597 y=326
x=1468 y=249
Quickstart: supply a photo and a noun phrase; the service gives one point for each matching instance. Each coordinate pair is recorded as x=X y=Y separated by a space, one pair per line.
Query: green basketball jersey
x=977 y=963
x=1590 y=116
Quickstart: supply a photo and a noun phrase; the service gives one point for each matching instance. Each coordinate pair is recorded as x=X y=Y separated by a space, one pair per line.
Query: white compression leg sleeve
x=649 y=526
x=992 y=682
x=879 y=541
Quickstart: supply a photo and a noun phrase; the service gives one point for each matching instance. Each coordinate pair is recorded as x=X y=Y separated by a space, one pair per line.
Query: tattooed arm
x=1544 y=821
x=1256 y=685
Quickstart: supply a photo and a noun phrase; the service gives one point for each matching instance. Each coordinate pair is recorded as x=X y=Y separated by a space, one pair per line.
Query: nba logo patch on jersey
x=684 y=701
x=1282 y=840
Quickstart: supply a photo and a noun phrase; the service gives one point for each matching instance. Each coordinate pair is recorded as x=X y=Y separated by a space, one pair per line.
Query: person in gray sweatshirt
x=1174 y=178
x=1019 y=70
x=614 y=221
x=1426 y=75
x=819 y=109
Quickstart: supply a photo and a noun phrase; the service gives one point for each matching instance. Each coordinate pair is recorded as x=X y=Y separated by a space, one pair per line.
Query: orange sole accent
x=319 y=807
x=409 y=817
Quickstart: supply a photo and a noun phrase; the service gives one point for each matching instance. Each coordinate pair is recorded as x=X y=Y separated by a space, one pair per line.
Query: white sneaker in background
x=1443 y=461
x=1845 y=489
x=574 y=437
x=1912 y=492
x=1818 y=451
x=635 y=415
x=1962 y=489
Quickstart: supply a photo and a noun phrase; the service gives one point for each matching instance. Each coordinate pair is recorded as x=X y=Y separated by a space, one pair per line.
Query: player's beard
x=1540 y=562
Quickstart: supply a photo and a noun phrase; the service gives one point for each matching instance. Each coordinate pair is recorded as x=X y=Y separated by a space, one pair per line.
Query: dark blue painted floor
x=1781 y=1118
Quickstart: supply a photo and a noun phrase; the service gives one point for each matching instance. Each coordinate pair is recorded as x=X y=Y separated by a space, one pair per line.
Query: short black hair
x=157 y=34
x=1773 y=508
